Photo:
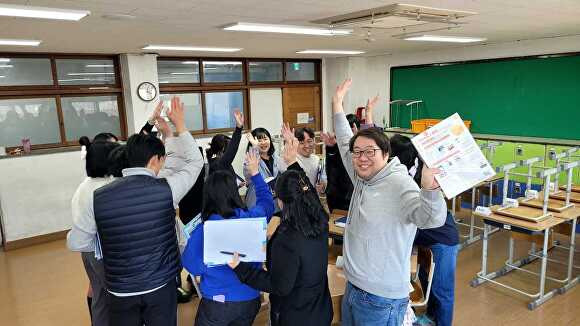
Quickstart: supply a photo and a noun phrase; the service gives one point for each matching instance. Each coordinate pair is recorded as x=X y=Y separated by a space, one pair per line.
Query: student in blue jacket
x=226 y=300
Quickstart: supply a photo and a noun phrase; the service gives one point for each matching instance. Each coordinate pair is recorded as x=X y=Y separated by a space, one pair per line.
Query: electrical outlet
x=519 y=151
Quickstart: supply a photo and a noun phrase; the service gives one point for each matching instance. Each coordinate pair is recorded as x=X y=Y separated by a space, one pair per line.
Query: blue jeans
x=360 y=308
x=440 y=305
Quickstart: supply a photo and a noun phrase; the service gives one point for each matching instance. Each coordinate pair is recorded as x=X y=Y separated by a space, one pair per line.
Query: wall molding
x=39 y=239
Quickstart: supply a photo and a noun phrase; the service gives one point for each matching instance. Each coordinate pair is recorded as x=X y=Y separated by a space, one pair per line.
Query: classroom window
x=85 y=72
x=219 y=108
x=25 y=71
x=178 y=71
x=54 y=99
x=90 y=115
x=300 y=71
x=31 y=118
x=193 y=112
x=222 y=72
x=265 y=71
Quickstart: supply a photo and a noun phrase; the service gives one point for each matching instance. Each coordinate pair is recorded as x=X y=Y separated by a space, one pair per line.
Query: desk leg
x=571 y=282
x=478 y=280
x=511 y=250
x=543 y=297
x=472 y=222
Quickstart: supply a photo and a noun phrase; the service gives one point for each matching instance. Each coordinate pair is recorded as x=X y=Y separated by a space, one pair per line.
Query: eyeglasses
x=368 y=153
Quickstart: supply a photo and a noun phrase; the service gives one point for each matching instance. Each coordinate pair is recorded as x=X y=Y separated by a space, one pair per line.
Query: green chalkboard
x=534 y=97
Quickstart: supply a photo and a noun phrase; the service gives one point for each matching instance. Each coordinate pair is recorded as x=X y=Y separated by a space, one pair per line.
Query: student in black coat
x=297 y=254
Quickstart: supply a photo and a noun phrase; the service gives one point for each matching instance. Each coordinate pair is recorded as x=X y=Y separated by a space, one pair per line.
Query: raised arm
x=230 y=153
x=148 y=127
x=184 y=161
x=342 y=128
x=264 y=200
x=425 y=208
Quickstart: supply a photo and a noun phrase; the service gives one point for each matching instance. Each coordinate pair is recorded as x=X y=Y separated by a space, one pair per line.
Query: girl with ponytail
x=297 y=252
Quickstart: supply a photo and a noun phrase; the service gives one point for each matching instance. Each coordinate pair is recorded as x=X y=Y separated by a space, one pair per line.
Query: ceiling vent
x=394 y=16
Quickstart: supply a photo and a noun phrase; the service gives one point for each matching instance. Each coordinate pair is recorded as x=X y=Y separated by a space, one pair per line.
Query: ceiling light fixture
x=189 y=48
x=440 y=38
x=20 y=42
x=6 y=66
x=286 y=29
x=42 y=12
x=330 y=52
x=4 y=60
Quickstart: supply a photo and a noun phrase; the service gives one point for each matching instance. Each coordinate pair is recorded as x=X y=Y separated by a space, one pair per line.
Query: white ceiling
x=197 y=23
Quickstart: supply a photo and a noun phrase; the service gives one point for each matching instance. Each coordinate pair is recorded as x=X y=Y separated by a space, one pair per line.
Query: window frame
x=245 y=87
x=57 y=91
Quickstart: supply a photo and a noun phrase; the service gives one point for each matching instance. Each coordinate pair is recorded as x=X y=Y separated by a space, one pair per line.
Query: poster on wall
x=302 y=118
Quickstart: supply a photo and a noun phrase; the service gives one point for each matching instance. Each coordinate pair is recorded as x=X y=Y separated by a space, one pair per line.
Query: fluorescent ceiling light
x=439 y=38
x=42 y=12
x=2 y=76
x=99 y=66
x=190 y=48
x=6 y=66
x=329 y=52
x=89 y=73
x=287 y=29
x=221 y=63
x=4 y=60
x=20 y=42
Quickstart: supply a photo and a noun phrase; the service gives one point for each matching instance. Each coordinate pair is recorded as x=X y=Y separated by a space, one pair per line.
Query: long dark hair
x=260 y=133
x=220 y=195
x=302 y=209
x=217 y=146
x=118 y=161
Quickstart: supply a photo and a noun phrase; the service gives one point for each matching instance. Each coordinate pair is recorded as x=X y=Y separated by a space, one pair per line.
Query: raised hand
x=176 y=114
x=156 y=113
x=428 y=181
x=252 y=139
x=371 y=103
x=239 y=118
x=253 y=162
x=341 y=91
x=290 y=151
x=328 y=138
x=163 y=128
x=287 y=132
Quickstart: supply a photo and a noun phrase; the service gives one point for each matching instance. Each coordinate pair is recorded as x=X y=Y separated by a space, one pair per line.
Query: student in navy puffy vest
x=135 y=217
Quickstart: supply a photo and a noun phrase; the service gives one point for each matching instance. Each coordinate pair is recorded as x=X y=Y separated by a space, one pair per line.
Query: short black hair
x=260 y=133
x=97 y=164
x=353 y=120
x=220 y=195
x=375 y=134
x=402 y=147
x=141 y=148
x=105 y=136
x=118 y=161
x=299 y=133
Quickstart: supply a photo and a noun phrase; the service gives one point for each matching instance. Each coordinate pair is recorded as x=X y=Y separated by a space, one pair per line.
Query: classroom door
x=301 y=107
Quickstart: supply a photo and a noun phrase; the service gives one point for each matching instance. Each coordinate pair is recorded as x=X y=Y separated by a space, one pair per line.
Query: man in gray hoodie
x=386 y=208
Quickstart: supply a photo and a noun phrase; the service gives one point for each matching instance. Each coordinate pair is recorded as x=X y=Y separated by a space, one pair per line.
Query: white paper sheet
x=245 y=236
x=450 y=147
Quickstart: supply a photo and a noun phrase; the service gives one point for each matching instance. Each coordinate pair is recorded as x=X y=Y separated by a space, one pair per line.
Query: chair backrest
x=424 y=260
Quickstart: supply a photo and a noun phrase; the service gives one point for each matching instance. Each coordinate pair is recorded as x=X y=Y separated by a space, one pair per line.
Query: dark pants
x=98 y=305
x=213 y=313
x=158 y=308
